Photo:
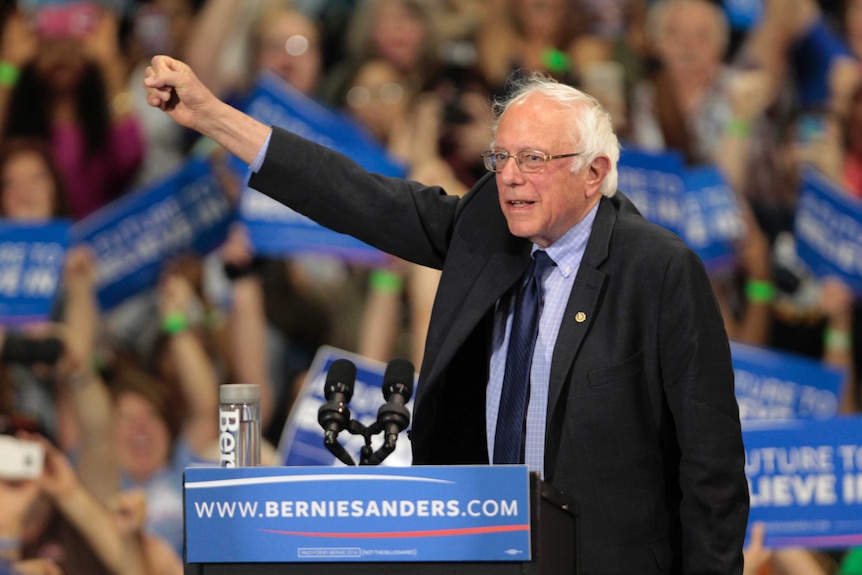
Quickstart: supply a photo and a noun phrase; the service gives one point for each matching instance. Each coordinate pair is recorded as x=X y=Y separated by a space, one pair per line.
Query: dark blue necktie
x=511 y=418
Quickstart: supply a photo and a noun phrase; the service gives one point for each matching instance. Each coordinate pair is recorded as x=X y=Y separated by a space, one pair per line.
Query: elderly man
x=604 y=366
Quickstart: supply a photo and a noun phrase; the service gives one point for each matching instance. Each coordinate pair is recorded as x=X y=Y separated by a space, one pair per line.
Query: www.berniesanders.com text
x=356 y=508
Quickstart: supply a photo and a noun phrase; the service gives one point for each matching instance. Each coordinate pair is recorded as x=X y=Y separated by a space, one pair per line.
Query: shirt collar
x=568 y=251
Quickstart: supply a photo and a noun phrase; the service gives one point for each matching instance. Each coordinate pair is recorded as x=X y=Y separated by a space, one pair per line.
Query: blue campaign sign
x=301 y=441
x=774 y=386
x=805 y=482
x=711 y=221
x=828 y=230
x=357 y=514
x=134 y=236
x=276 y=229
x=696 y=204
x=653 y=182
x=31 y=266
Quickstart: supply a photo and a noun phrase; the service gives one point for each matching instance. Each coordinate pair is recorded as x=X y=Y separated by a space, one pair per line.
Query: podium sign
x=357 y=514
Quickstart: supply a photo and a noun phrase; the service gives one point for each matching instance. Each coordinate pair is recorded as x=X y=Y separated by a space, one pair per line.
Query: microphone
x=334 y=416
x=393 y=416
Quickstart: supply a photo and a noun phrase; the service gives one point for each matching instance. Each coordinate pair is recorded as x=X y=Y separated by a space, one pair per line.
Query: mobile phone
x=20 y=459
x=72 y=20
x=26 y=351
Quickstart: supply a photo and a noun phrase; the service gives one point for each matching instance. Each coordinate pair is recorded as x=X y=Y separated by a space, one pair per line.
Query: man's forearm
x=237 y=132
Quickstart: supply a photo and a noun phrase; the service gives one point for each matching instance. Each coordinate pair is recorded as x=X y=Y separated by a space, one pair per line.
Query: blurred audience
x=273 y=37
x=70 y=92
x=402 y=33
x=683 y=105
x=158 y=27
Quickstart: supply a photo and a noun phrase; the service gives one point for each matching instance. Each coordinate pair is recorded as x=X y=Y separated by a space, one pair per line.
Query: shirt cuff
x=256 y=165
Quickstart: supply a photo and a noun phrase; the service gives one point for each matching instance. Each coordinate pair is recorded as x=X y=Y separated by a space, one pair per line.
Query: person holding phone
x=69 y=91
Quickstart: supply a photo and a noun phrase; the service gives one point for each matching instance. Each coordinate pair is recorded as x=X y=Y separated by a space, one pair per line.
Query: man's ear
x=596 y=172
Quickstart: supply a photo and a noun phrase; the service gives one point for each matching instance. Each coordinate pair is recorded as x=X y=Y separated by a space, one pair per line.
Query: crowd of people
x=131 y=400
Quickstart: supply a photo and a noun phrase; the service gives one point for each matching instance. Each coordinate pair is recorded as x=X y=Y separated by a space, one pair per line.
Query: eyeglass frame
x=488 y=154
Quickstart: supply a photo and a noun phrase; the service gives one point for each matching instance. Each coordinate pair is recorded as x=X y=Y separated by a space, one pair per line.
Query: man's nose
x=511 y=172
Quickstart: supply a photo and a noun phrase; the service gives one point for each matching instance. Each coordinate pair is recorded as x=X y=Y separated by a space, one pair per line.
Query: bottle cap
x=239 y=393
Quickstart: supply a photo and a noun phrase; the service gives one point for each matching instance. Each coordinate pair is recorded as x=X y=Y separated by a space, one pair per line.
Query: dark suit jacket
x=643 y=427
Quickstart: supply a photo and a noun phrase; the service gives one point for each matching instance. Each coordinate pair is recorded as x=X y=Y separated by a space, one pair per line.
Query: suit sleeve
x=400 y=217
x=698 y=380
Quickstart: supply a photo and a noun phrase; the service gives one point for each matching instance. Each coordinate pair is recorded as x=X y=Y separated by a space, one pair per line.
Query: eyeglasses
x=528 y=160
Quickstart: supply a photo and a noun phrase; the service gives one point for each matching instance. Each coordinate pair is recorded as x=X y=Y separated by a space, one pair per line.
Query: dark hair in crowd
x=29 y=111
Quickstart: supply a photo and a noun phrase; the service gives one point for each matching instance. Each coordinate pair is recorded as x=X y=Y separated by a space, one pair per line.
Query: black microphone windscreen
x=399 y=371
x=340 y=379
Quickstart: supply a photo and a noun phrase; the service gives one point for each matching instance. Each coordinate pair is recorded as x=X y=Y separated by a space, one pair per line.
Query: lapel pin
x=580 y=317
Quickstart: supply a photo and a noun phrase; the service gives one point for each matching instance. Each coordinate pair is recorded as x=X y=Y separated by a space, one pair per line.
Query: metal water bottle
x=239 y=425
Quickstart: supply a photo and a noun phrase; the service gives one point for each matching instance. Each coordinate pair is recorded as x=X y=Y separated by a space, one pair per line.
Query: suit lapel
x=488 y=261
x=457 y=317
x=582 y=306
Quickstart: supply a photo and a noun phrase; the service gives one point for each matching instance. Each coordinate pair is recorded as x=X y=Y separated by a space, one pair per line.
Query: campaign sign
x=31 y=265
x=133 y=237
x=828 y=230
x=357 y=514
x=696 y=204
x=775 y=386
x=276 y=229
x=805 y=482
x=301 y=441
x=711 y=221
x=653 y=182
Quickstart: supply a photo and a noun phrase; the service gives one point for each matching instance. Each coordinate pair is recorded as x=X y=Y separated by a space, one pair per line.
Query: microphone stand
x=367 y=455
x=330 y=441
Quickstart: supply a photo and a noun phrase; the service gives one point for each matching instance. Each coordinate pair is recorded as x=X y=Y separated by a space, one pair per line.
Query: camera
x=20 y=459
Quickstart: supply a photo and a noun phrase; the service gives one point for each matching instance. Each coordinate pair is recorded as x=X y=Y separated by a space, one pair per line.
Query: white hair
x=591 y=128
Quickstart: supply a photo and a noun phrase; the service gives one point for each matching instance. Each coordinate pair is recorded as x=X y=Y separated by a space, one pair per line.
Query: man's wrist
x=239 y=133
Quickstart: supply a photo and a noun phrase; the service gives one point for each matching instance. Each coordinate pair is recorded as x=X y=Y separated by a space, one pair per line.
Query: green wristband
x=836 y=340
x=9 y=74
x=175 y=323
x=761 y=292
x=738 y=128
x=852 y=562
x=385 y=281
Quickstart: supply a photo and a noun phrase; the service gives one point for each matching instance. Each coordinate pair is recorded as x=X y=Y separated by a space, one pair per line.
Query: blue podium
x=416 y=520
